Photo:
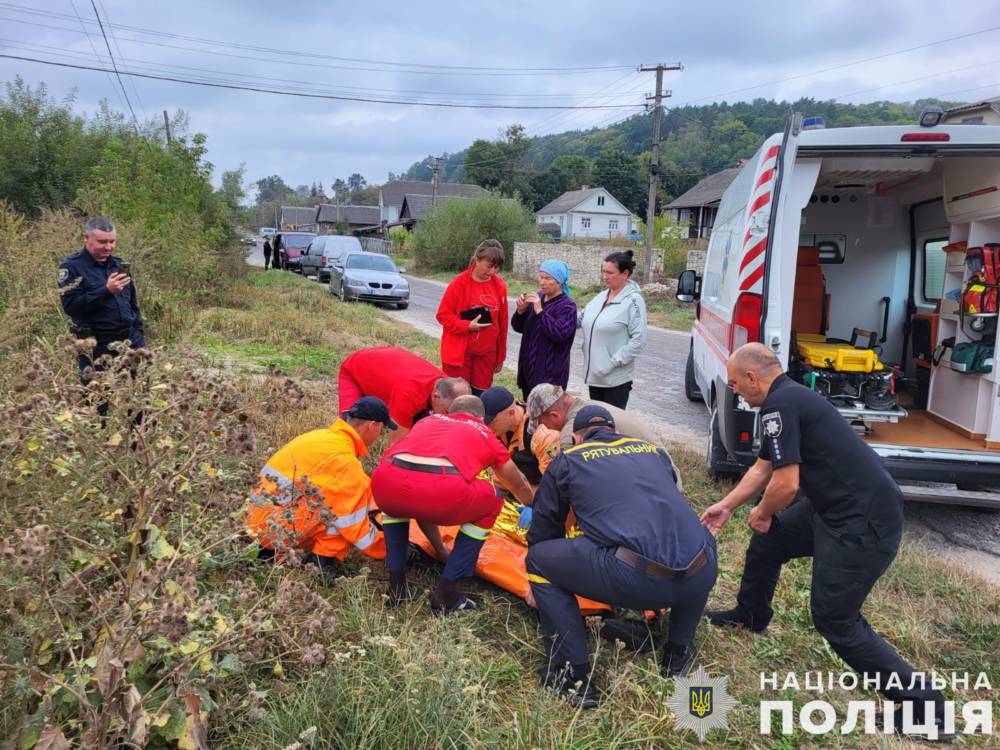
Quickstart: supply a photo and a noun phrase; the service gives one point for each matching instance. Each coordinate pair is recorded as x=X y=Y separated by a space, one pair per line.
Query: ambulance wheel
x=717 y=461
x=691 y=389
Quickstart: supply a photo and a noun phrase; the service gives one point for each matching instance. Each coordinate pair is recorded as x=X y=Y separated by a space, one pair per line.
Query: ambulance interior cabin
x=890 y=270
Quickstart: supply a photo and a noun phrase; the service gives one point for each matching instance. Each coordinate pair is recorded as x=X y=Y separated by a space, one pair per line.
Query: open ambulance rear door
x=764 y=283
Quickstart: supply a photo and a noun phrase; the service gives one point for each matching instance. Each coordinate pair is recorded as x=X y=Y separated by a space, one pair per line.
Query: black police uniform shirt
x=843 y=478
x=92 y=307
x=624 y=493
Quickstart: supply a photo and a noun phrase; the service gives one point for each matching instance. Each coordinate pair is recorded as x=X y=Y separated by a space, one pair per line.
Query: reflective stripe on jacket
x=314 y=492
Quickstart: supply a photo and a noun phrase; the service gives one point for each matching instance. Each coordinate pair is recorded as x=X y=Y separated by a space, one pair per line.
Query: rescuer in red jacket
x=433 y=475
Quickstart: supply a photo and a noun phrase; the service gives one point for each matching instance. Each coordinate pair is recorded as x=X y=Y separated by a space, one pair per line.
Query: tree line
x=696 y=141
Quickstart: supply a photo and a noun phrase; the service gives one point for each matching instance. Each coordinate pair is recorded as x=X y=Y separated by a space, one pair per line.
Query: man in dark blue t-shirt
x=850 y=520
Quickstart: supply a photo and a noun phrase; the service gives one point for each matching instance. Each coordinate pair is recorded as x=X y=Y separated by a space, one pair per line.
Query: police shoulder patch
x=771 y=423
x=63 y=275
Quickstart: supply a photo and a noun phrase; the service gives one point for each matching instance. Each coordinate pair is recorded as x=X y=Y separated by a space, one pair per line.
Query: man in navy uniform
x=642 y=548
x=98 y=295
x=850 y=520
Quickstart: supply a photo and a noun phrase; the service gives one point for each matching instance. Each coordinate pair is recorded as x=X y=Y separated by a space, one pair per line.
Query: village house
x=698 y=206
x=591 y=213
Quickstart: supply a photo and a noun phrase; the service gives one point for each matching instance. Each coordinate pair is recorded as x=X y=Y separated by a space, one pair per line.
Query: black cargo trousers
x=845 y=568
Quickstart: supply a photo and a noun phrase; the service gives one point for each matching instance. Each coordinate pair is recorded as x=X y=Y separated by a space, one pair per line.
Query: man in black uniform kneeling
x=850 y=520
x=642 y=548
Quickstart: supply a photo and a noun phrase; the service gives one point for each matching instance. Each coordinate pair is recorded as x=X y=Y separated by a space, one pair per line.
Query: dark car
x=289 y=246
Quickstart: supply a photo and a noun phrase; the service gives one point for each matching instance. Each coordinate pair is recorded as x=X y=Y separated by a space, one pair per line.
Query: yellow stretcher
x=816 y=351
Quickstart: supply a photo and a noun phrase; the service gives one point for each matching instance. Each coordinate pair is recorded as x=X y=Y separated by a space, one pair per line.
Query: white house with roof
x=587 y=213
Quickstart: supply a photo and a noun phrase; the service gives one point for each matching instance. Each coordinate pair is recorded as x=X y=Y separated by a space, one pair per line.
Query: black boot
x=635 y=634
x=574 y=684
x=734 y=618
x=677 y=659
x=447 y=599
x=398 y=590
x=919 y=732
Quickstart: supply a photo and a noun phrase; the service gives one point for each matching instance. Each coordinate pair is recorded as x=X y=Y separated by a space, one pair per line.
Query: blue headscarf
x=558 y=271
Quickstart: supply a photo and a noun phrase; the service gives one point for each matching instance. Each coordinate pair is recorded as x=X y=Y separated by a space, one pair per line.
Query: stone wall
x=696 y=261
x=584 y=261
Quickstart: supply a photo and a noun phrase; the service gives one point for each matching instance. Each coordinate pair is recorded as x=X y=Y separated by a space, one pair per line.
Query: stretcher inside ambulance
x=868 y=259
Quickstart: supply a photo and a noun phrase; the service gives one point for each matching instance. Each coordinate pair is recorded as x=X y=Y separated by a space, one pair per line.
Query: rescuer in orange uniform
x=314 y=494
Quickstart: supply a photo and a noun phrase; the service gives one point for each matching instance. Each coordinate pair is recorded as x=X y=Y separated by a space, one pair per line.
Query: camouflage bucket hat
x=540 y=400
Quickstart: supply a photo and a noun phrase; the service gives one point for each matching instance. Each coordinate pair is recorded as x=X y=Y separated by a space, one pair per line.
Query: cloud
x=728 y=51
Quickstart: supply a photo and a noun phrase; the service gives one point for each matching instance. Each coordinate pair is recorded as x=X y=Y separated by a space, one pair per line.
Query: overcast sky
x=730 y=51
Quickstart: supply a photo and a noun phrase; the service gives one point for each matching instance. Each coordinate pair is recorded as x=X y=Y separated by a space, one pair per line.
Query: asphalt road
x=965 y=536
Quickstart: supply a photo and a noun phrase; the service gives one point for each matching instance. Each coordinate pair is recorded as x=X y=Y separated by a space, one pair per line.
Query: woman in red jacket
x=473 y=313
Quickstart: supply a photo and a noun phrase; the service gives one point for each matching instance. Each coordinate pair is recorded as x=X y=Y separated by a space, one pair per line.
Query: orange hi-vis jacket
x=314 y=494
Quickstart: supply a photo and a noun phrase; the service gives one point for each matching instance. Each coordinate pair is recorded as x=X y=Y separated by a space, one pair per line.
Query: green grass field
x=386 y=678
x=406 y=679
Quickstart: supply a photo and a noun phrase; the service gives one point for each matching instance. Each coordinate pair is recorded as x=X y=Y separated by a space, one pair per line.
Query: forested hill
x=697 y=141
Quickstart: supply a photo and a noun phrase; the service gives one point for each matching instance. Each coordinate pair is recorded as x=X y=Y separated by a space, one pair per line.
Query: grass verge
x=381 y=679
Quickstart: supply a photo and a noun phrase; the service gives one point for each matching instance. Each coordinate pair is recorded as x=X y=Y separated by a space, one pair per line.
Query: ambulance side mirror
x=688 y=287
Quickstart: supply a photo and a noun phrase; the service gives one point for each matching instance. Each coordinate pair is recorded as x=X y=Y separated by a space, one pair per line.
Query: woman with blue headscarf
x=546 y=320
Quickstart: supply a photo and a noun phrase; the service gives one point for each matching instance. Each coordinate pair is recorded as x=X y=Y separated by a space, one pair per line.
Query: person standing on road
x=546 y=321
x=99 y=296
x=276 y=252
x=267 y=253
x=850 y=522
x=614 y=332
x=642 y=548
x=473 y=313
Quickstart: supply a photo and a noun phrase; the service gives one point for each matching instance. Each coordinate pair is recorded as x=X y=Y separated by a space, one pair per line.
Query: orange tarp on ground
x=501 y=560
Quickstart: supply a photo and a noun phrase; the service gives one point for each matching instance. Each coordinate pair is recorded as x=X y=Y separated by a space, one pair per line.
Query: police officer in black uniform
x=850 y=520
x=642 y=548
x=98 y=295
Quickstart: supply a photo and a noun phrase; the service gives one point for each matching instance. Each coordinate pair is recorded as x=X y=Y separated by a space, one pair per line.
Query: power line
x=424 y=68
x=844 y=65
x=912 y=80
x=135 y=120
x=552 y=118
x=97 y=56
x=305 y=95
x=138 y=64
x=121 y=56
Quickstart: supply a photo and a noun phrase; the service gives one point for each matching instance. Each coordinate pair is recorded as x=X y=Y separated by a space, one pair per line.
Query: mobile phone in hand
x=126 y=268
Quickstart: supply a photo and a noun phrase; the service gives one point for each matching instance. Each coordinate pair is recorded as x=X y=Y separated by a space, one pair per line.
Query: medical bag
x=980 y=294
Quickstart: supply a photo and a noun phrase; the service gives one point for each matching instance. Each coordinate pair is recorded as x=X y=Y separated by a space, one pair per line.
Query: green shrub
x=130 y=595
x=445 y=240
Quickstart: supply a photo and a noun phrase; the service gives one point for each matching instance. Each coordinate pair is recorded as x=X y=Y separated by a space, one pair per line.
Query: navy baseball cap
x=372 y=409
x=495 y=399
x=593 y=416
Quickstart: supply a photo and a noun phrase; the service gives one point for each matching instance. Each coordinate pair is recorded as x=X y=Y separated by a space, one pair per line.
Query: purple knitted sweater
x=546 y=341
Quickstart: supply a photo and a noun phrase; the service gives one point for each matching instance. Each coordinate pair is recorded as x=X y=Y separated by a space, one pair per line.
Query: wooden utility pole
x=434 y=181
x=654 y=164
x=166 y=125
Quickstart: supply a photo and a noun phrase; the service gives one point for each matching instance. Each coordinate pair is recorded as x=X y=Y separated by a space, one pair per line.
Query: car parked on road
x=250 y=239
x=290 y=246
x=369 y=277
x=323 y=251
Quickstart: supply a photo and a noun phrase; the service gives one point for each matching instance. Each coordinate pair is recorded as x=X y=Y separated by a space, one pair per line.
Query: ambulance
x=867 y=259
